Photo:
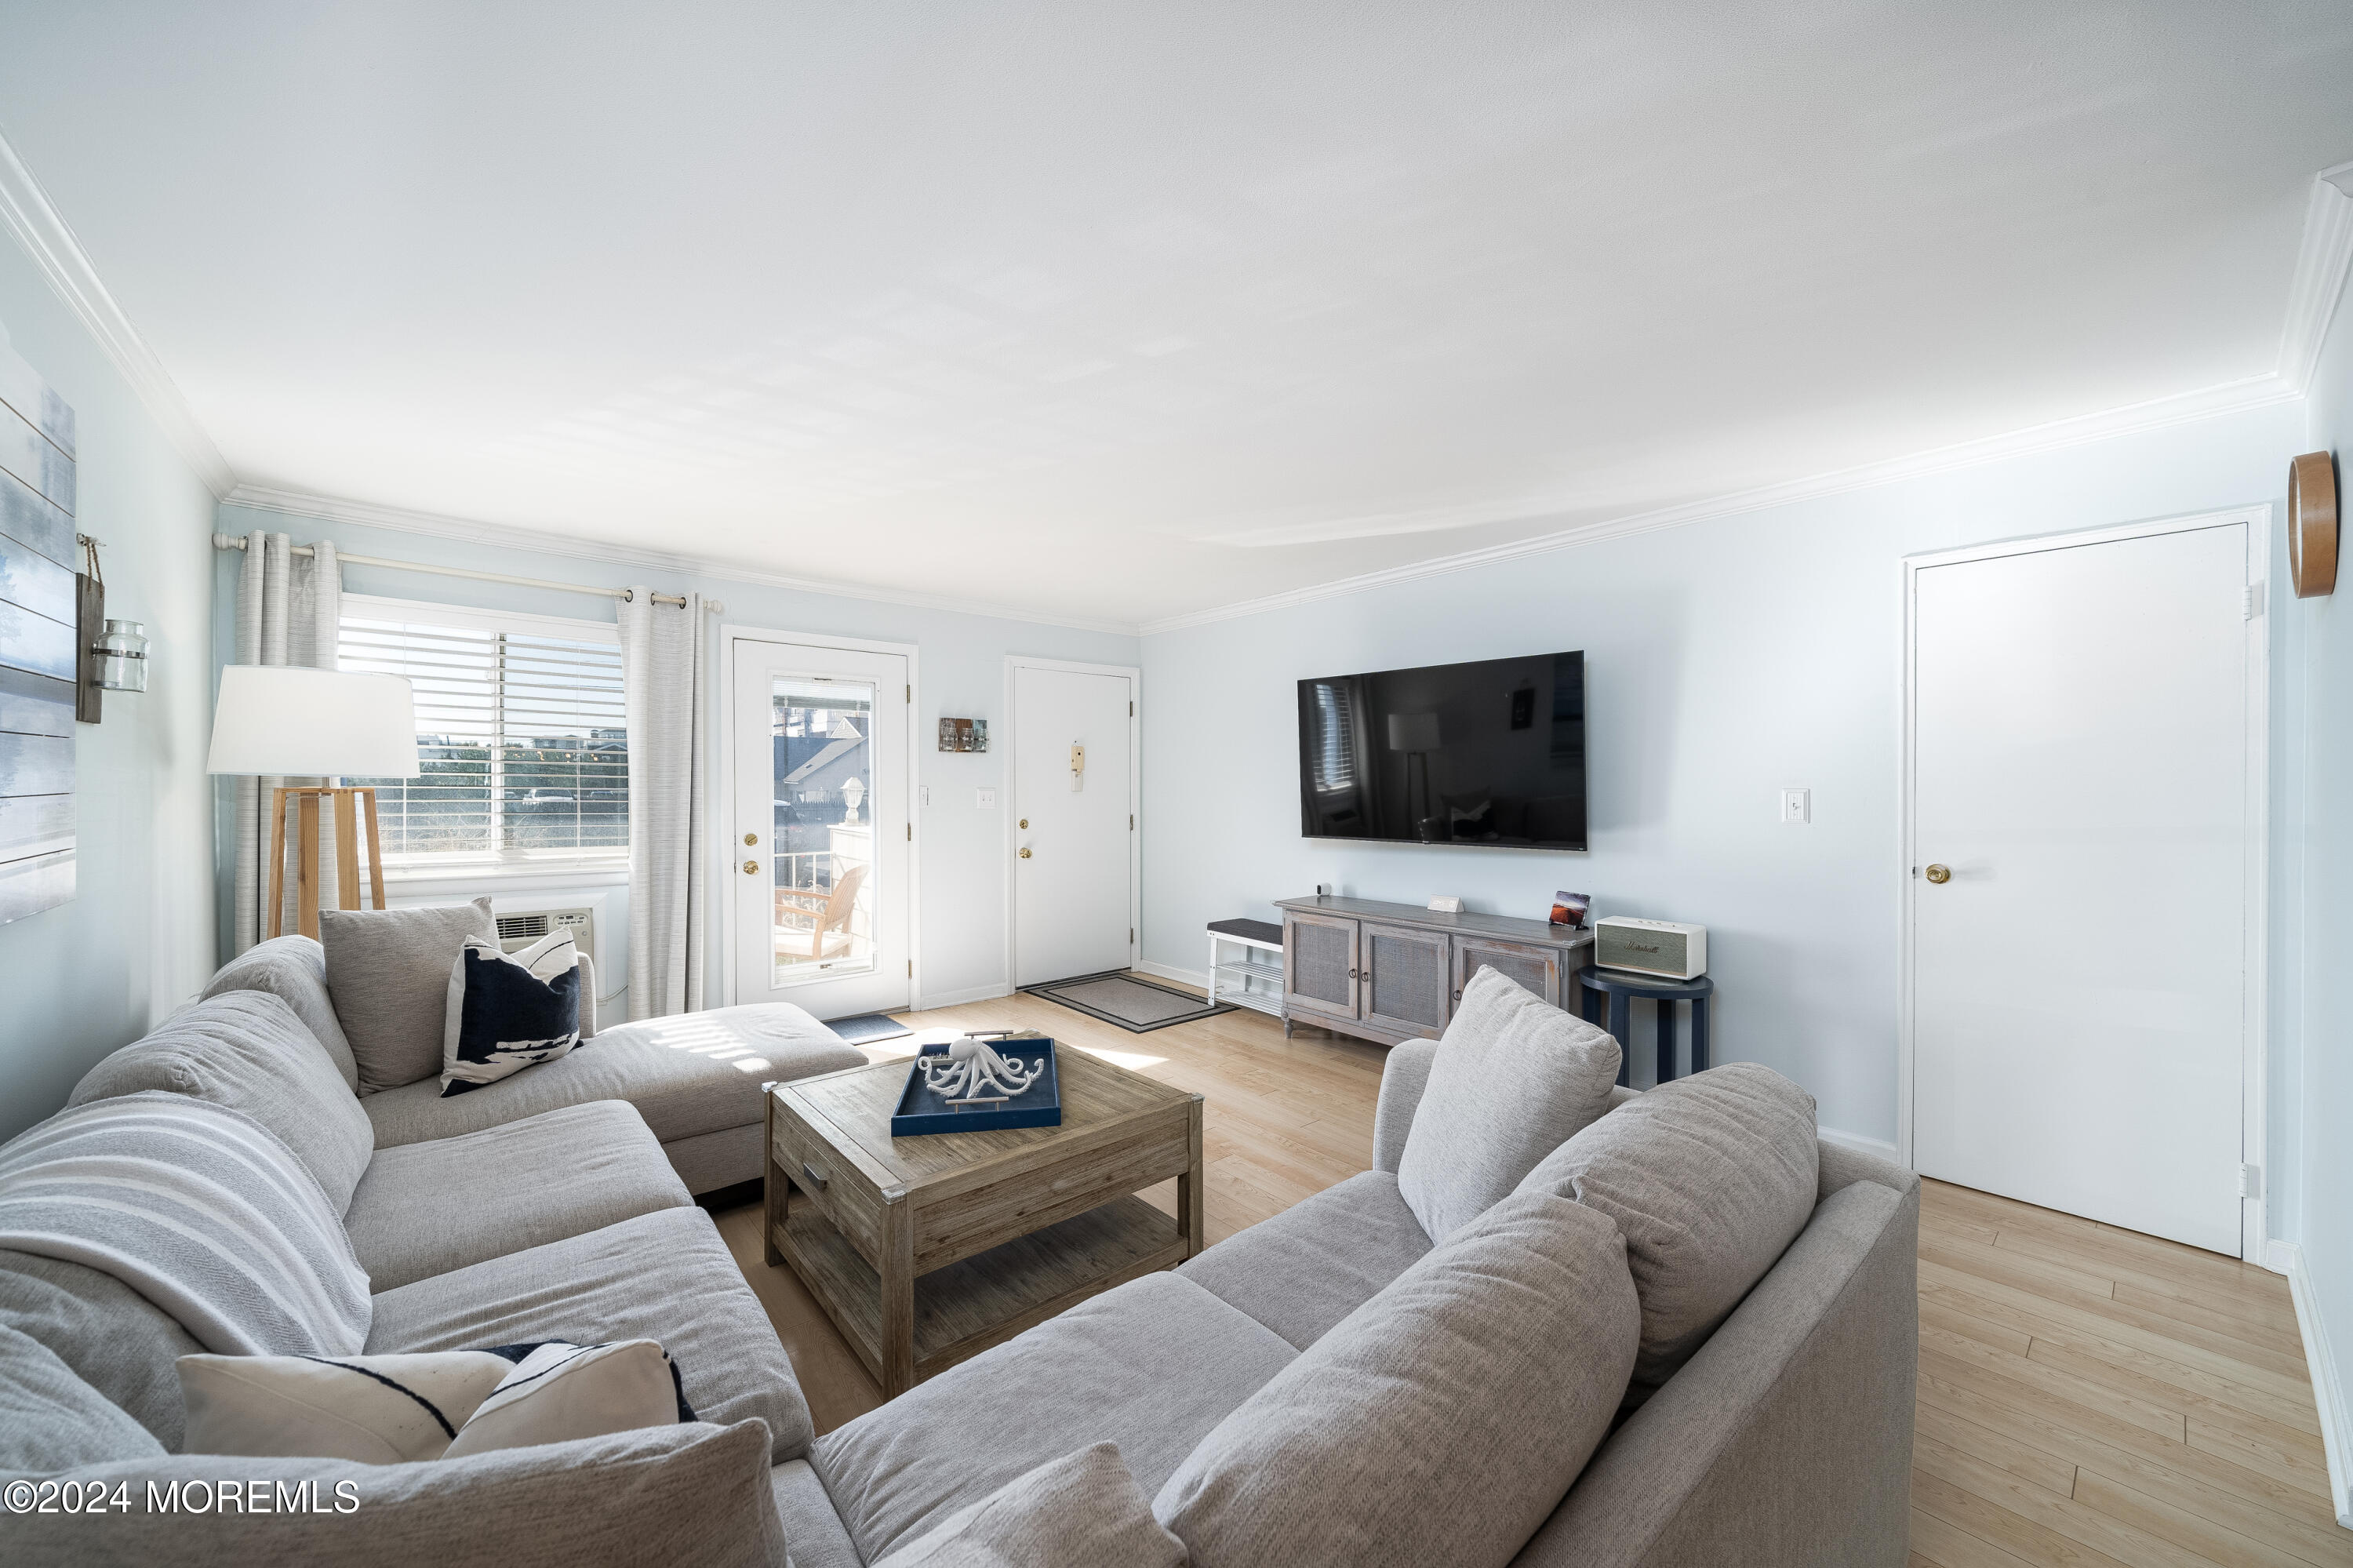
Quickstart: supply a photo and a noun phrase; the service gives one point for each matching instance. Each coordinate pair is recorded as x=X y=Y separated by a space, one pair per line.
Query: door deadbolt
x=751 y=868
x=1025 y=821
x=1940 y=874
x=750 y=838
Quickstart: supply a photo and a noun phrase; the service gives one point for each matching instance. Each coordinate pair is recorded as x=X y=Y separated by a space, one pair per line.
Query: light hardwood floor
x=2087 y=1395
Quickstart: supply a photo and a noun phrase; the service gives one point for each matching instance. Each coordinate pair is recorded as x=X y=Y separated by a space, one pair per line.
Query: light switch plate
x=923 y=794
x=1796 y=806
x=984 y=799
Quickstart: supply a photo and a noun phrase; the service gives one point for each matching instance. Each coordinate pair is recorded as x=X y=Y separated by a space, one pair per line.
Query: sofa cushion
x=665 y=1277
x=1441 y=1422
x=1513 y=1079
x=690 y=1074
x=683 y=1494
x=1317 y=1261
x=1083 y=1510
x=110 y=1336
x=50 y=1419
x=813 y=1531
x=294 y=971
x=507 y=1011
x=1709 y=1178
x=198 y=1207
x=388 y=974
x=428 y=1208
x=1151 y=1366
x=247 y=1050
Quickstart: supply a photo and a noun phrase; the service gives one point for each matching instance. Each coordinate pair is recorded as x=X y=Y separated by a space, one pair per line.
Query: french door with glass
x=819 y=837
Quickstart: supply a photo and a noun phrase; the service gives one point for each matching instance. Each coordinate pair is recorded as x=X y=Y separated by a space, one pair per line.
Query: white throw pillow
x=507 y=1011
x=1513 y=1078
x=388 y=1410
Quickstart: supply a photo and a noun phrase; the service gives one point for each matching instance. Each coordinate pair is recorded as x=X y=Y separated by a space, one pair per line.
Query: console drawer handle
x=813 y=1176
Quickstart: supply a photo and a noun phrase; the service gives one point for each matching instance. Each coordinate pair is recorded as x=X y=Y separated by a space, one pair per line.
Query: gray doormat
x=868 y=1029
x=1135 y=1004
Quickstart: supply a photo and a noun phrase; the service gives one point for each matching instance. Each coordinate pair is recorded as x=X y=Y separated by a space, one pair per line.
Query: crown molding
x=2324 y=257
x=38 y=225
x=498 y=535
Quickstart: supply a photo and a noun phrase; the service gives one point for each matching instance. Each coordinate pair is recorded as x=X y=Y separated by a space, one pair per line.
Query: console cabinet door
x=1319 y=966
x=1534 y=969
x=1405 y=979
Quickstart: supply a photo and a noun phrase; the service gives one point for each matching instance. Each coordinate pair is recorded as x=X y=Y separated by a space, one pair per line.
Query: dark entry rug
x=868 y=1029
x=1134 y=1003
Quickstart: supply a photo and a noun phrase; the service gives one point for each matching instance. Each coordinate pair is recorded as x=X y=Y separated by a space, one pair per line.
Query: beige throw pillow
x=1710 y=1177
x=389 y=1410
x=388 y=973
x=1513 y=1078
x=1083 y=1510
x=1441 y=1421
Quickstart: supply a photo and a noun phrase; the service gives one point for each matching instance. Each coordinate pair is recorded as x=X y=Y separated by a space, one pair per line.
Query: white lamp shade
x=284 y=720
x=1413 y=732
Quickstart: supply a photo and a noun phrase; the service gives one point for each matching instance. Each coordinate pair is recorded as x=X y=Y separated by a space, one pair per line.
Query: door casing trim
x=721 y=842
x=1135 y=675
x=2254 y=1118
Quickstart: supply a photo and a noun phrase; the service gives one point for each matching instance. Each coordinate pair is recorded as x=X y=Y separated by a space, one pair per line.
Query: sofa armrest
x=1786 y=1441
x=1403 y=1079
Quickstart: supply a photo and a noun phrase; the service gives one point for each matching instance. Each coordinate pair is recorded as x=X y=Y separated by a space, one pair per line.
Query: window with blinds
x=519 y=735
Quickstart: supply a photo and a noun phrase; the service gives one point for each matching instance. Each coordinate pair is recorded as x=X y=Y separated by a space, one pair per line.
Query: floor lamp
x=281 y=721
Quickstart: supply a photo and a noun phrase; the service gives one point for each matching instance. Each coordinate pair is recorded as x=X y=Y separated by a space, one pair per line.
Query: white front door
x=1074 y=823
x=2081 y=761
x=817 y=827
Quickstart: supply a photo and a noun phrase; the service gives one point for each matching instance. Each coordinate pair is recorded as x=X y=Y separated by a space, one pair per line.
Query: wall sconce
x=122 y=657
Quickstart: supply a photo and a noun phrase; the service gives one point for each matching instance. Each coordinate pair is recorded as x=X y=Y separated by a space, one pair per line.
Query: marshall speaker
x=1651 y=946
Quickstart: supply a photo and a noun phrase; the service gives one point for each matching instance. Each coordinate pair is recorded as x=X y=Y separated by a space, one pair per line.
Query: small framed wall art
x=964 y=735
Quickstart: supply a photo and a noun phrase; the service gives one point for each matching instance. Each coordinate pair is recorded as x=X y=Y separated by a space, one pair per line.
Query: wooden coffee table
x=926 y=1251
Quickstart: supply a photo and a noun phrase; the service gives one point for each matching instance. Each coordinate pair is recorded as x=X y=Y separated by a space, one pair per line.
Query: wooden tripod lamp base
x=307 y=801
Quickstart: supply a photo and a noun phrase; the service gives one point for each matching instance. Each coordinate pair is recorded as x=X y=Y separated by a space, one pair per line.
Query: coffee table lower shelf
x=985 y=1299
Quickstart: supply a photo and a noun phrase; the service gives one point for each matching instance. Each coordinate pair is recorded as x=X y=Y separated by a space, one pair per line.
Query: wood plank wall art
x=38 y=642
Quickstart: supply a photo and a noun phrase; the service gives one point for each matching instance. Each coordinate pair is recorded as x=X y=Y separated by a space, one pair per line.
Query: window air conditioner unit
x=516 y=931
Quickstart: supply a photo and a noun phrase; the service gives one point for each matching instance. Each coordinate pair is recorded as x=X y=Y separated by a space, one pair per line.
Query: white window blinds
x=520 y=734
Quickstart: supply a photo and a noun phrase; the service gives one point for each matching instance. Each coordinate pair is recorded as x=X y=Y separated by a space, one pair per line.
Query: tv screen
x=1491 y=753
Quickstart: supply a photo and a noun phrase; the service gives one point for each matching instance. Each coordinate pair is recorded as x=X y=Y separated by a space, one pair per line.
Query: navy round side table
x=1621 y=989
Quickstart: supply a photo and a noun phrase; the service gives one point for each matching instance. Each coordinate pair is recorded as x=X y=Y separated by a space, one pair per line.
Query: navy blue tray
x=922 y=1111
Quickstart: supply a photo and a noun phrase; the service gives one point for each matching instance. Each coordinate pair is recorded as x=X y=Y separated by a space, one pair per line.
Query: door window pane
x=823 y=839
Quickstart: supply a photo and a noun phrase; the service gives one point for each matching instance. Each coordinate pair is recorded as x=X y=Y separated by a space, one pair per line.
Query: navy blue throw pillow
x=508 y=1011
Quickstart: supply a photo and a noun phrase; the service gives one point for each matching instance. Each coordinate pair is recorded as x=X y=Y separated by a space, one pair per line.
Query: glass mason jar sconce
x=121 y=656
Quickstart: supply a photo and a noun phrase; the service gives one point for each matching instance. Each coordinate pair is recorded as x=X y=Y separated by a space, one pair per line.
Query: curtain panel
x=288 y=611
x=665 y=685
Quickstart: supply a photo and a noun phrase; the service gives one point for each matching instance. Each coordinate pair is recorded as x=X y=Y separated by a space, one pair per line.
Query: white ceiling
x=1124 y=312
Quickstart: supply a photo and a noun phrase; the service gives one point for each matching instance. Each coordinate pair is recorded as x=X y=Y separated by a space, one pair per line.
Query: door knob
x=1025 y=854
x=1940 y=874
x=751 y=868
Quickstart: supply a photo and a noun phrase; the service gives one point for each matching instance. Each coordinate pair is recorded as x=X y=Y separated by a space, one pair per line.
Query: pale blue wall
x=80 y=980
x=2324 y=1104
x=1725 y=660
x=961 y=674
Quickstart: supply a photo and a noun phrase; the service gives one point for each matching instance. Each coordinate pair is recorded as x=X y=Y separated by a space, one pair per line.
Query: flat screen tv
x=1491 y=753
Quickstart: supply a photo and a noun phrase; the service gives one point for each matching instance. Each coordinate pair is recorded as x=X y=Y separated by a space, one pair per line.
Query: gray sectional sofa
x=1785 y=1438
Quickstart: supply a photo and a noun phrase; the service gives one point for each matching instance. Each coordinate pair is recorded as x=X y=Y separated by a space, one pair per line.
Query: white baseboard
x=958 y=998
x=1878 y=1148
x=1198 y=979
x=2320 y=1358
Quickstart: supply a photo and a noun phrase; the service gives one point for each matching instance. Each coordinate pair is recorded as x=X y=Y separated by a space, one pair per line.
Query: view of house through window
x=520 y=736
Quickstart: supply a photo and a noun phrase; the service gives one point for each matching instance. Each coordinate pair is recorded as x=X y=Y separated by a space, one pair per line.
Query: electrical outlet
x=1796 y=806
x=984 y=799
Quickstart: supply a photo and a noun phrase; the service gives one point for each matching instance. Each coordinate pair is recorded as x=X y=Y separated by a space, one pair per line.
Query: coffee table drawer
x=839 y=1194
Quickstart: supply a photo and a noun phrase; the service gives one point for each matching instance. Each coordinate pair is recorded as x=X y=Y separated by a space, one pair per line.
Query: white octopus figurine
x=970 y=1067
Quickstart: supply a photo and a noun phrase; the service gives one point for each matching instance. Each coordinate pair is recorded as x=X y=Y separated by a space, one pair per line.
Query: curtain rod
x=239 y=542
